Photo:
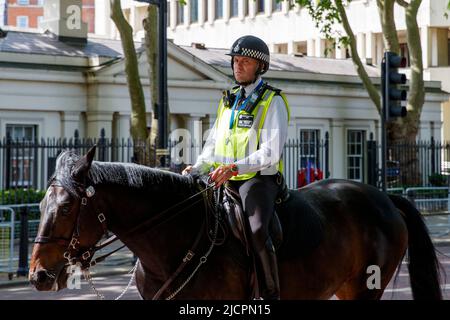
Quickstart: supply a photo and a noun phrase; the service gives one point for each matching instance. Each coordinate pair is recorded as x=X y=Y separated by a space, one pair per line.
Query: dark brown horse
x=337 y=234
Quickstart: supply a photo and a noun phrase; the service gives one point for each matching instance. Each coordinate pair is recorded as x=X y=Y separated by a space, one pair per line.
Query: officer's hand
x=221 y=175
x=187 y=170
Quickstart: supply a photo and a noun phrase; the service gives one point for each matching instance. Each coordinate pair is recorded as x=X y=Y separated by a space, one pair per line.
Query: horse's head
x=66 y=228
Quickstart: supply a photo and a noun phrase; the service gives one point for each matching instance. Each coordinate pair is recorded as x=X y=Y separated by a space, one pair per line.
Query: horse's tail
x=423 y=265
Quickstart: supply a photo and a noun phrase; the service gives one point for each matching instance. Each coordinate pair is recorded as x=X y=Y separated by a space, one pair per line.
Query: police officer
x=244 y=147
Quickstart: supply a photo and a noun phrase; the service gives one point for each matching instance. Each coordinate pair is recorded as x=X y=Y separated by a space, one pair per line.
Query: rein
x=73 y=256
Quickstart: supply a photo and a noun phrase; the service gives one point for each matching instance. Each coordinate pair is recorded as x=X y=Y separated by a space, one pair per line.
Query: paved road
x=112 y=286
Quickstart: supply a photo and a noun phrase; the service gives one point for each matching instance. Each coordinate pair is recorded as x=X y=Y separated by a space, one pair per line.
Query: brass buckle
x=101 y=217
x=86 y=255
x=73 y=243
x=188 y=256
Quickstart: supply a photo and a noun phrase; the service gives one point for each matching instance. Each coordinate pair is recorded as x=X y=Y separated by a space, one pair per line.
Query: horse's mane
x=117 y=173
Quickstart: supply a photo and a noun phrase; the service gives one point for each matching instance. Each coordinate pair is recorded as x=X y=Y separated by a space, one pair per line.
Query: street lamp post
x=162 y=151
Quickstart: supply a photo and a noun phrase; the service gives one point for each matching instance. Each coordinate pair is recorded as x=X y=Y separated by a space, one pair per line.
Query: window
x=260 y=6
x=219 y=9
x=355 y=151
x=22 y=21
x=309 y=148
x=234 y=8
x=277 y=5
x=40 y=3
x=23 y=2
x=404 y=52
x=21 y=162
x=180 y=13
x=194 y=11
x=281 y=48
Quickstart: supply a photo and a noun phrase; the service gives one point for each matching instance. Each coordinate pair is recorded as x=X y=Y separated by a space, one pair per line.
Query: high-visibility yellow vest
x=243 y=138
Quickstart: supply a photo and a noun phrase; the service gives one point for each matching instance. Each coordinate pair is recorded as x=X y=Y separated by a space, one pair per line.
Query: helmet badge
x=237 y=47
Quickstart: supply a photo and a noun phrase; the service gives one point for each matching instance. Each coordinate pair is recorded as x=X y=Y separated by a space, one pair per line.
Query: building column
x=337 y=150
x=268 y=8
x=133 y=22
x=103 y=22
x=446 y=124
x=241 y=7
x=425 y=39
x=379 y=49
x=340 y=50
x=425 y=131
x=201 y=12
x=69 y=123
x=187 y=16
x=173 y=14
x=211 y=11
x=285 y=7
x=437 y=131
x=311 y=48
x=370 y=47
x=252 y=9
x=195 y=128
x=320 y=48
x=96 y=121
x=122 y=126
x=291 y=48
x=361 y=45
x=226 y=10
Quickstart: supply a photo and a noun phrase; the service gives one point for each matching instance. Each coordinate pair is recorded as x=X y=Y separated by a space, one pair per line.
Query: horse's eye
x=65 y=211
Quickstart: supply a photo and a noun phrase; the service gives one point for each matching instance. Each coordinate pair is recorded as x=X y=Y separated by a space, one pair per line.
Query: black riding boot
x=268 y=279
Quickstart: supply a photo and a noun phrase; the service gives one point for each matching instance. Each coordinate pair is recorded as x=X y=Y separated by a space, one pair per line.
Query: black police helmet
x=253 y=47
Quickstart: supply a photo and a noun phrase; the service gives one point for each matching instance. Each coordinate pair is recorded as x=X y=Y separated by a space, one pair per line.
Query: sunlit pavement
x=113 y=285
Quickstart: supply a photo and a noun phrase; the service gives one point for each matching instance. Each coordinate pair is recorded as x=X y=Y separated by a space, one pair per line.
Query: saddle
x=232 y=211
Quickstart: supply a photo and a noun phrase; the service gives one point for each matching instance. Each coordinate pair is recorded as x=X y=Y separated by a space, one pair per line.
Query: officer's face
x=245 y=68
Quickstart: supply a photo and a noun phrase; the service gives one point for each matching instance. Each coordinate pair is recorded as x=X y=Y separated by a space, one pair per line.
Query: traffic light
x=392 y=95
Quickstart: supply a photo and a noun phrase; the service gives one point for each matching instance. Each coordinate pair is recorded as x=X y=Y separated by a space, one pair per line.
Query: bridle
x=74 y=255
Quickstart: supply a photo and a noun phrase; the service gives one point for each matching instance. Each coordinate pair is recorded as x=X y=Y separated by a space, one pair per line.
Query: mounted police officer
x=245 y=146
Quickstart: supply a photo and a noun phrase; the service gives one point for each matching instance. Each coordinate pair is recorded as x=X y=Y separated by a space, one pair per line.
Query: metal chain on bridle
x=204 y=258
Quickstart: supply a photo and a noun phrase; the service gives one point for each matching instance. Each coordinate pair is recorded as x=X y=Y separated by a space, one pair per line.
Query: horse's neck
x=159 y=244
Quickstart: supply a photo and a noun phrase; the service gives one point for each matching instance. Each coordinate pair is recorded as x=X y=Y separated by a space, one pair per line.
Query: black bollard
x=23 y=245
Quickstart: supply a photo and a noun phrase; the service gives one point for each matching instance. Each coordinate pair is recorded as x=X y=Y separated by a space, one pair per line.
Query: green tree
x=327 y=13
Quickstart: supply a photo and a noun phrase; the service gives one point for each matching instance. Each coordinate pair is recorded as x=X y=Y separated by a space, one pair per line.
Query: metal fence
x=433 y=203
x=26 y=167
x=29 y=164
x=423 y=163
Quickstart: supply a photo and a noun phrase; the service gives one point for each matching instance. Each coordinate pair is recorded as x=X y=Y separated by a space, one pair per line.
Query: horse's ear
x=82 y=166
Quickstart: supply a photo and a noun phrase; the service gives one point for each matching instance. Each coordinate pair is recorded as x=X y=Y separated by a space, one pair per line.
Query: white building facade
x=218 y=23
x=50 y=89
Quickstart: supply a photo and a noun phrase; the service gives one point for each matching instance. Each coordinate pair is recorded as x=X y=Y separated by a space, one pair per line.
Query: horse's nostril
x=39 y=277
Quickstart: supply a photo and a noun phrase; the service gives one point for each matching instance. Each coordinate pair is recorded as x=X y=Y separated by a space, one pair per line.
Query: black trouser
x=258 y=196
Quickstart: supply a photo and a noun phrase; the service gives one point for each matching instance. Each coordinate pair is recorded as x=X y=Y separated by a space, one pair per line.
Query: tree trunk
x=386 y=12
x=138 y=116
x=403 y=131
x=150 y=24
x=371 y=89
